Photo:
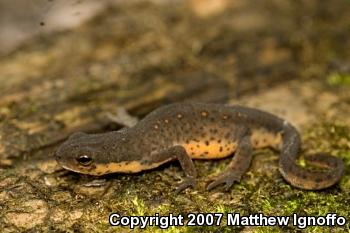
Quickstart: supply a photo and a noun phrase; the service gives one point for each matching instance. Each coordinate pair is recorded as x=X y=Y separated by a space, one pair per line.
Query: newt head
x=92 y=153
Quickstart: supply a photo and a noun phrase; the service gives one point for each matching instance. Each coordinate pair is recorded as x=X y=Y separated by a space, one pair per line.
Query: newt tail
x=304 y=178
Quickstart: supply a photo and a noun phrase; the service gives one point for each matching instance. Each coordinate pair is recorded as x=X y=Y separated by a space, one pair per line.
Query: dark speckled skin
x=183 y=131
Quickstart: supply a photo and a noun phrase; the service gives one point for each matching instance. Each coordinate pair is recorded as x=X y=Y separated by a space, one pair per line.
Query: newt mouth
x=69 y=168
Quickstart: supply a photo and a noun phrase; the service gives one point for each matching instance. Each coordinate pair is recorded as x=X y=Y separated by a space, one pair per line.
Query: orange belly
x=209 y=149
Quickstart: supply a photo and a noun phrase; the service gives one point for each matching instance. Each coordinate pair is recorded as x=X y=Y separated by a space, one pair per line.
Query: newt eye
x=84 y=160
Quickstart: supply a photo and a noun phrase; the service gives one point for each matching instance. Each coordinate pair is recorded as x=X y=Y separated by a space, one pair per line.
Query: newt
x=186 y=131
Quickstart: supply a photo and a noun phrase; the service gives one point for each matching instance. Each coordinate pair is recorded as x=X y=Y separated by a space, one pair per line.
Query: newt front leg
x=180 y=154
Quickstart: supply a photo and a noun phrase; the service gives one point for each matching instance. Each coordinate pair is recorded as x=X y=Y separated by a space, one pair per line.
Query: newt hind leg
x=237 y=167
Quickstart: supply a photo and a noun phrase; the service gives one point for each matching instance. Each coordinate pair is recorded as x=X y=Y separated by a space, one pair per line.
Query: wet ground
x=289 y=58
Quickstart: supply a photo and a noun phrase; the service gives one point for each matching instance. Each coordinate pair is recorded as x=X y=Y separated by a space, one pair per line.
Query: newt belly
x=207 y=149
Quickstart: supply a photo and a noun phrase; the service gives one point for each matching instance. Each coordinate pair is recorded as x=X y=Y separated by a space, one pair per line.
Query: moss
x=338 y=79
x=267 y=230
x=139 y=207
